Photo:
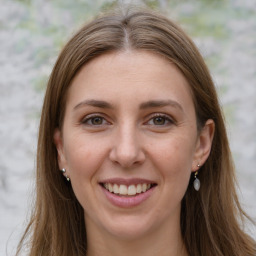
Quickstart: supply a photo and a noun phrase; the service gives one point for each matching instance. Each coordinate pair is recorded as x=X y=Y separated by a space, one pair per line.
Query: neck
x=167 y=242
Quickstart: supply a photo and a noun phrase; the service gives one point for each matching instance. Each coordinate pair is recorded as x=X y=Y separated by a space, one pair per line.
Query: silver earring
x=63 y=171
x=197 y=181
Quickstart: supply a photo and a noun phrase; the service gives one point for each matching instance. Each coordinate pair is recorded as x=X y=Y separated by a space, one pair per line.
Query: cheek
x=84 y=158
x=176 y=154
x=173 y=159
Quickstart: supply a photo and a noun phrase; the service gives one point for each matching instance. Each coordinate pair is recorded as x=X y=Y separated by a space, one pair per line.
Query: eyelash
x=164 y=116
x=88 y=120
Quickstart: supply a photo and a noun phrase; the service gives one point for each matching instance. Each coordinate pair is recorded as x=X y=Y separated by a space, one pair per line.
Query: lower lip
x=127 y=202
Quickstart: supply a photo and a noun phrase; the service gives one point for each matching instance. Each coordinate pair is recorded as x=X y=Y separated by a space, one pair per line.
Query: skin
x=129 y=137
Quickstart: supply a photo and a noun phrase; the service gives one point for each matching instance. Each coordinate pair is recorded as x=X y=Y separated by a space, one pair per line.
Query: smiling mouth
x=131 y=190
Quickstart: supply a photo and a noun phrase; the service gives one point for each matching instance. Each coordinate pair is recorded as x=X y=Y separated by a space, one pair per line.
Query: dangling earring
x=63 y=171
x=196 y=181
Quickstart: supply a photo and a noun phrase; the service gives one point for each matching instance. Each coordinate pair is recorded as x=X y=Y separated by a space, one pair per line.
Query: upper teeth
x=127 y=190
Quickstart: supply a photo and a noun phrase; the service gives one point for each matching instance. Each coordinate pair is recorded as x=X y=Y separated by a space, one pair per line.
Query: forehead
x=129 y=75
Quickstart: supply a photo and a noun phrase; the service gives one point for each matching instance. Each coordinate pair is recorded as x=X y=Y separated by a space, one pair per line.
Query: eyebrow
x=161 y=103
x=94 y=103
x=144 y=105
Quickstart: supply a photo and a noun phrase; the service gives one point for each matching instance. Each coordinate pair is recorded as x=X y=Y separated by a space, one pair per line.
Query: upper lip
x=127 y=182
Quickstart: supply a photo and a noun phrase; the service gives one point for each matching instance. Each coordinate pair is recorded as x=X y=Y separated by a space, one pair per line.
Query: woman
x=132 y=120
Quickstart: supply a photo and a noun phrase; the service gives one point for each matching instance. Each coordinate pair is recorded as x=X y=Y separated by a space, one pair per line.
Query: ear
x=204 y=144
x=58 y=141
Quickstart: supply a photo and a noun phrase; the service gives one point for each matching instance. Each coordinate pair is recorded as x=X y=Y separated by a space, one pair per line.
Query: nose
x=127 y=150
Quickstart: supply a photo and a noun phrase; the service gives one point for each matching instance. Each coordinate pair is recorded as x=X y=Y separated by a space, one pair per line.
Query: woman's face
x=129 y=143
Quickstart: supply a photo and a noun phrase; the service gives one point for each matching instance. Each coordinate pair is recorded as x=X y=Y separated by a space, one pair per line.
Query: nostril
x=126 y=150
x=126 y=158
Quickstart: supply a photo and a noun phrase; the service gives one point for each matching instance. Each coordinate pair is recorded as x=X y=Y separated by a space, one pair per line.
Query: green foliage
x=207 y=21
x=154 y=4
x=205 y=2
x=108 y=5
x=26 y=2
x=40 y=83
x=229 y=113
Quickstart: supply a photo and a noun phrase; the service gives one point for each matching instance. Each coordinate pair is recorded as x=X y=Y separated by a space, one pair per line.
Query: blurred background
x=32 y=32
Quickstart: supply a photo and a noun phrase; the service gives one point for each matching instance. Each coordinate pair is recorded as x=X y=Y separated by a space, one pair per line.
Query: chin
x=129 y=229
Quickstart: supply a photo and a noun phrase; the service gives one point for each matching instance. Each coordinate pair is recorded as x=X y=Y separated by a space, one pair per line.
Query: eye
x=160 y=120
x=94 y=120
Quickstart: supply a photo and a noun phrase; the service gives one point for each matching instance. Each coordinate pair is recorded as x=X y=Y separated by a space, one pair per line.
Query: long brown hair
x=210 y=218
